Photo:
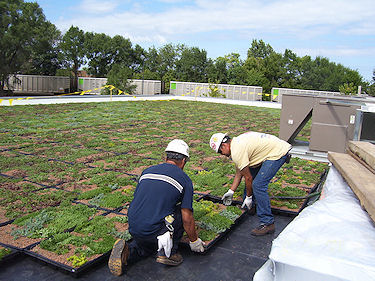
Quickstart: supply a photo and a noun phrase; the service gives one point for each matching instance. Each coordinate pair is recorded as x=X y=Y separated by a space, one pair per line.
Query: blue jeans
x=262 y=176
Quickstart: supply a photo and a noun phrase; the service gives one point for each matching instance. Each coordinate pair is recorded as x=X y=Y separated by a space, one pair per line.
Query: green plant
x=215 y=222
x=4 y=252
x=77 y=261
x=293 y=181
x=202 y=208
x=56 y=244
x=32 y=226
x=51 y=221
x=94 y=193
x=118 y=76
x=213 y=91
x=207 y=235
x=348 y=88
x=125 y=235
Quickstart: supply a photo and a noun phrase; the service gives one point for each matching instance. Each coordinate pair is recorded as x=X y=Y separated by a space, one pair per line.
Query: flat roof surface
x=237 y=256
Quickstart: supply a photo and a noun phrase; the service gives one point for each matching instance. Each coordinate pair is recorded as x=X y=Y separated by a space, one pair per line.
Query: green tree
x=152 y=60
x=149 y=68
x=44 y=54
x=259 y=49
x=235 y=71
x=217 y=71
x=161 y=63
x=99 y=52
x=291 y=73
x=264 y=65
x=371 y=90
x=169 y=54
x=21 y=30
x=348 y=88
x=370 y=87
x=147 y=75
x=73 y=51
x=139 y=55
x=321 y=74
x=192 y=65
x=123 y=51
x=119 y=76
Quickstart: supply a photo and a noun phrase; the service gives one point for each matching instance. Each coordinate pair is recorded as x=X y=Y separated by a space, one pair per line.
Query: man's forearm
x=249 y=186
x=189 y=224
x=236 y=181
x=245 y=172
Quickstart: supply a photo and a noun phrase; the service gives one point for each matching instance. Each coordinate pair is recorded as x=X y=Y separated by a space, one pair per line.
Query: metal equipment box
x=365 y=125
x=333 y=120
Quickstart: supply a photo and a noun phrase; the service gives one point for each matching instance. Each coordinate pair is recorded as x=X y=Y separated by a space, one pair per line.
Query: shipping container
x=277 y=93
x=38 y=84
x=143 y=87
x=91 y=84
x=234 y=92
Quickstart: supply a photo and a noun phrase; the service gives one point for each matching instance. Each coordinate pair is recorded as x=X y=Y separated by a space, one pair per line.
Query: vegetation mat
x=83 y=161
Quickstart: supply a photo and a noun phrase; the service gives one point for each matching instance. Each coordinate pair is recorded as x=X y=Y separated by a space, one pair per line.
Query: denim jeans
x=262 y=176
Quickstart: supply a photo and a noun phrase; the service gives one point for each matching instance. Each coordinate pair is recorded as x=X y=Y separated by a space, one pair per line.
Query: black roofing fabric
x=236 y=257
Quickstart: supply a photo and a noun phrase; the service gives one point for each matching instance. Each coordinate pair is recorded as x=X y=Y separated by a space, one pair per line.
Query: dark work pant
x=142 y=247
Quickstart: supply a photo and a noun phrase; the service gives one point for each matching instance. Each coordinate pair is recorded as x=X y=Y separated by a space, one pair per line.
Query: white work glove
x=165 y=242
x=247 y=202
x=197 y=246
x=228 y=197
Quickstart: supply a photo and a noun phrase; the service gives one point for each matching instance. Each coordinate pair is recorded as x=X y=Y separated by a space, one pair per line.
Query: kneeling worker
x=162 y=209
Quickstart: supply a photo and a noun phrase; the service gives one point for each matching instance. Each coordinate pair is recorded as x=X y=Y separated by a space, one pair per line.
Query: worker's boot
x=263 y=229
x=119 y=257
x=174 y=259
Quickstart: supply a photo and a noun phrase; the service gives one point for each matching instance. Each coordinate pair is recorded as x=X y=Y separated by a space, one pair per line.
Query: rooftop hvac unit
x=334 y=120
x=365 y=125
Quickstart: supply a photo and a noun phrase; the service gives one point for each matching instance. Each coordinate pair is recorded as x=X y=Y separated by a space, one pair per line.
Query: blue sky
x=341 y=30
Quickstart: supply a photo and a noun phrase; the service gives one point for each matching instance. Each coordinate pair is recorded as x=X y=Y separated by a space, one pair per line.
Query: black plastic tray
x=222 y=234
x=17 y=248
x=306 y=200
x=281 y=211
x=6 y=222
x=72 y=270
x=98 y=208
x=14 y=253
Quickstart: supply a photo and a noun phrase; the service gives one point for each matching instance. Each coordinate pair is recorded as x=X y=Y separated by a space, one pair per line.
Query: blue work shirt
x=159 y=190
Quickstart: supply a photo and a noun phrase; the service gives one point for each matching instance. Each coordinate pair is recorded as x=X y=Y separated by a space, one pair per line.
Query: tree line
x=30 y=44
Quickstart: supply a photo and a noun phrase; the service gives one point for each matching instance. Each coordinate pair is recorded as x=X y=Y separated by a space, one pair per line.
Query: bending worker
x=257 y=157
x=159 y=213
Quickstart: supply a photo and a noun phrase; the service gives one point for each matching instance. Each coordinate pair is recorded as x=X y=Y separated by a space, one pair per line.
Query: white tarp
x=334 y=239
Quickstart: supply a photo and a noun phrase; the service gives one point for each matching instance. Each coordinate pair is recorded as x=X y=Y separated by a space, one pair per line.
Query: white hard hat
x=216 y=139
x=178 y=146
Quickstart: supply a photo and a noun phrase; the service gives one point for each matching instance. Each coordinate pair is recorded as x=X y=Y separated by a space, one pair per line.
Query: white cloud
x=336 y=51
x=97 y=6
x=303 y=19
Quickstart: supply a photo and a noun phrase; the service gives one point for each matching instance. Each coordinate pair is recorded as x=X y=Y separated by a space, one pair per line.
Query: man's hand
x=247 y=202
x=197 y=246
x=228 y=197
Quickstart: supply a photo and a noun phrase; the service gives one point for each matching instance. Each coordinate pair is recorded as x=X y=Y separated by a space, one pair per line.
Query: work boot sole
x=115 y=262
x=166 y=261
x=261 y=234
x=256 y=233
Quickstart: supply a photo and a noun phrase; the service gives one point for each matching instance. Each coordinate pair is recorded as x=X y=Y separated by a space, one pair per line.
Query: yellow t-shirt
x=252 y=148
